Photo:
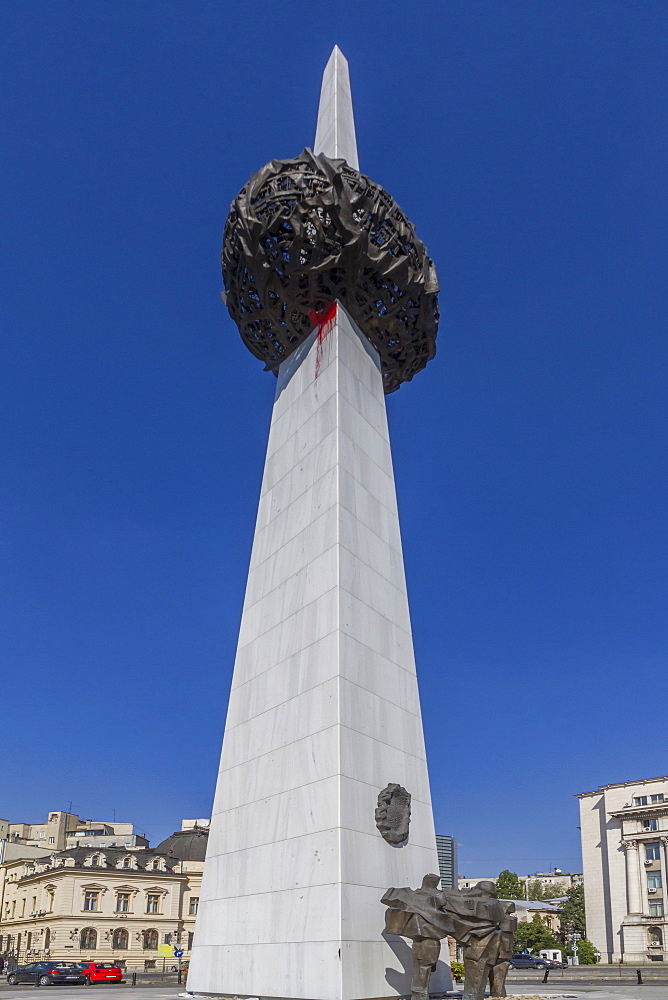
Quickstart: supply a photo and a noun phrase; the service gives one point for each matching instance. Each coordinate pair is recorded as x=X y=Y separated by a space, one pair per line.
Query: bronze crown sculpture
x=305 y=232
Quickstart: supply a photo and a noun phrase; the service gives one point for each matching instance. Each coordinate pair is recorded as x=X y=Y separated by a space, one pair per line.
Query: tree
x=534 y=936
x=573 y=911
x=555 y=891
x=534 y=889
x=587 y=954
x=508 y=885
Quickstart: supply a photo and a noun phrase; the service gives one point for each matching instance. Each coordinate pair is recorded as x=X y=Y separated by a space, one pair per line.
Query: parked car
x=47 y=973
x=522 y=961
x=101 y=972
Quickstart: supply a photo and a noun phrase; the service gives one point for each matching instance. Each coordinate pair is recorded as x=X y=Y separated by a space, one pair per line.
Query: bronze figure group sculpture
x=475 y=918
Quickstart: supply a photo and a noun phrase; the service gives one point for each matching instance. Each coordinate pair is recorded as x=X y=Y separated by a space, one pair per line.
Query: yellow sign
x=166 y=950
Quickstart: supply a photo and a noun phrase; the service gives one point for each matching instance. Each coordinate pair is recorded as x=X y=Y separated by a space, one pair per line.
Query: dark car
x=47 y=973
x=521 y=961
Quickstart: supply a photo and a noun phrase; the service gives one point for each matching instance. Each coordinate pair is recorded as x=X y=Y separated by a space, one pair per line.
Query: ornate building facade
x=103 y=904
x=624 y=853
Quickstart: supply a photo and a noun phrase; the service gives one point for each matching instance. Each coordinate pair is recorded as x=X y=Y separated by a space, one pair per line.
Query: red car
x=101 y=972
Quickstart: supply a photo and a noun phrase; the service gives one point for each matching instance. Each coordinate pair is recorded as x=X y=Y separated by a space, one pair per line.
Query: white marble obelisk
x=324 y=709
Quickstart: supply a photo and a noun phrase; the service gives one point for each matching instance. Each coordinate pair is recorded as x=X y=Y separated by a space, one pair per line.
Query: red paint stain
x=324 y=321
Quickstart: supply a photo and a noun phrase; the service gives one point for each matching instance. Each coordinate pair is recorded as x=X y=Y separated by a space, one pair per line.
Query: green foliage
x=534 y=936
x=573 y=912
x=556 y=890
x=457 y=970
x=508 y=886
x=537 y=891
x=587 y=954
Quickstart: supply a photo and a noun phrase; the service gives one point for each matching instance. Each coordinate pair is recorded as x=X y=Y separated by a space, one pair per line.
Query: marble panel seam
x=274 y=666
x=369 y=784
x=344 y=391
x=297 y=462
x=394 y=704
x=284 y=621
x=317 y=684
x=286 y=701
x=379 y=614
x=299 y=571
x=287 y=411
x=282 y=515
x=400 y=589
x=343 y=505
x=356 y=447
x=274 y=454
x=256 y=564
x=225 y=768
x=411 y=671
x=406 y=753
x=273 y=795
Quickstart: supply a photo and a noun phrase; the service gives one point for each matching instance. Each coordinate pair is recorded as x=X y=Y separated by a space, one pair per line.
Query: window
x=127 y=862
x=653 y=851
x=91 y=899
x=640 y=800
x=119 y=941
x=47 y=938
x=42 y=835
x=34 y=903
x=23 y=907
x=52 y=840
x=650 y=825
x=156 y=864
x=656 y=798
x=153 y=902
x=167 y=939
x=190 y=940
x=95 y=860
x=192 y=906
x=655 y=937
x=151 y=940
x=654 y=880
x=656 y=909
x=122 y=902
x=88 y=939
x=29 y=941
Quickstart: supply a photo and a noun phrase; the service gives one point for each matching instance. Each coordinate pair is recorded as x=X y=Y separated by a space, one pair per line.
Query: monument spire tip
x=335 y=129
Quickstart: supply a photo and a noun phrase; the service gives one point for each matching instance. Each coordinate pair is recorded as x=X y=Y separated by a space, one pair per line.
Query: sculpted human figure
x=416 y=914
x=480 y=922
x=487 y=951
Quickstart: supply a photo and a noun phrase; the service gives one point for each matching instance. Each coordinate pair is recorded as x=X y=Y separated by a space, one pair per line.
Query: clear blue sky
x=527 y=141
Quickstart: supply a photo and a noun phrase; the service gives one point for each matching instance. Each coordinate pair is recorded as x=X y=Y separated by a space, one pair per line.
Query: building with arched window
x=88 y=939
x=120 y=904
x=151 y=940
x=120 y=940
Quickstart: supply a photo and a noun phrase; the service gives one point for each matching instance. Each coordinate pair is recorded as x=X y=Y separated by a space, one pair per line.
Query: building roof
x=534 y=904
x=185 y=845
x=621 y=784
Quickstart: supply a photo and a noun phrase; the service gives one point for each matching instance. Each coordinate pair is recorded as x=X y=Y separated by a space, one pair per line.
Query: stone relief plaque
x=393 y=814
